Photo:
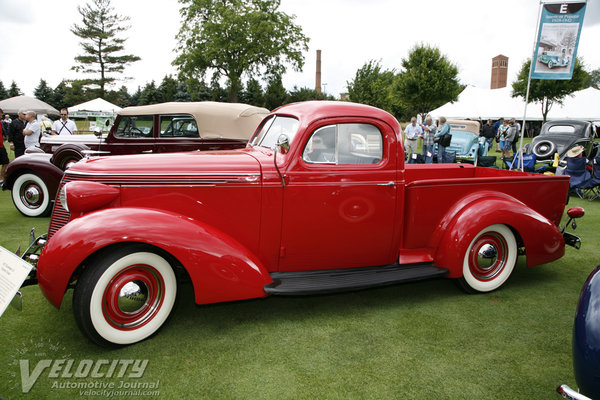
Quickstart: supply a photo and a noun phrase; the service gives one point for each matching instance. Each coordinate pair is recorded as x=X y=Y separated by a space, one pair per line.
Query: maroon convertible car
x=157 y=128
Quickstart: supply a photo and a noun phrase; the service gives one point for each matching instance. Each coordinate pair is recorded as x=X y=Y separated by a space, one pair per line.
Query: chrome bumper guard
x=31 y=255
x=569 y=393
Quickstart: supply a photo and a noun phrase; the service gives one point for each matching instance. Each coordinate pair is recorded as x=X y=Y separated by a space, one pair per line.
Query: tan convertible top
x=215 y=120
x=466 y=125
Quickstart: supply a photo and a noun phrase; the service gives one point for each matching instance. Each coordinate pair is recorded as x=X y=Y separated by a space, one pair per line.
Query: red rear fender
x=542 y=240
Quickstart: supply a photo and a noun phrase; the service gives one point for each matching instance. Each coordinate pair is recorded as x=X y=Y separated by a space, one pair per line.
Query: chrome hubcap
x=132 y=297
x=487 y=256
x=31 y=196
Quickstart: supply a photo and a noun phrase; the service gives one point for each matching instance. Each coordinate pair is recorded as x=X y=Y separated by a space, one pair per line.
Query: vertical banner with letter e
x=558 y=37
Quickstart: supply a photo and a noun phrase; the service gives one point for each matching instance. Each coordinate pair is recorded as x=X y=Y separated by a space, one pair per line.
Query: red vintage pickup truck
x=319 y=201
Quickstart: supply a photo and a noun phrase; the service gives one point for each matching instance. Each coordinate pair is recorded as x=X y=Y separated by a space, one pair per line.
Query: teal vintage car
x=466 y=143
x=552 y=59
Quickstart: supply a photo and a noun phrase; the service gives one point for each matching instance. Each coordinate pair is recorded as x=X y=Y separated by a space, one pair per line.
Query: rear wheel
x=30 y=195
x=124 y=297
x=489 y=260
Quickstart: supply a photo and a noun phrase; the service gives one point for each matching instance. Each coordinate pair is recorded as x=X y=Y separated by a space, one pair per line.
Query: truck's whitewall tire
x=489 y=259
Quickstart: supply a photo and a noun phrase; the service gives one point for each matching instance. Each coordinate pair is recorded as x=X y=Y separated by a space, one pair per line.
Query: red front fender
x=221 y=269
x=542 y=239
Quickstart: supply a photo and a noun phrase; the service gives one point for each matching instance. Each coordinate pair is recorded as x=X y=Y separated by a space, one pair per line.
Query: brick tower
x=499 y=71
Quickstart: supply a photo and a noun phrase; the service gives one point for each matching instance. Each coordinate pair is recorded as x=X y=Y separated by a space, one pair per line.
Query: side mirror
x=107 y=123
x=283 y=144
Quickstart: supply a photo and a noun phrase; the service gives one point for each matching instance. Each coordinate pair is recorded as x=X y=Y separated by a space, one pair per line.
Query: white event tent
x=477 y=103
x=94 y=108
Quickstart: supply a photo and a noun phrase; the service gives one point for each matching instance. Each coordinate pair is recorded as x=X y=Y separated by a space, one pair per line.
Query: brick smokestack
x=318 y=74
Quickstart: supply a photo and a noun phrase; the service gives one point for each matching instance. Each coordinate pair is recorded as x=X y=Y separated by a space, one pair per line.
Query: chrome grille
x=60 y=216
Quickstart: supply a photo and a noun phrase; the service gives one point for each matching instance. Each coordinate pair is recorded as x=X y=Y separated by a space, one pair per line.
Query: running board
x=338 y=280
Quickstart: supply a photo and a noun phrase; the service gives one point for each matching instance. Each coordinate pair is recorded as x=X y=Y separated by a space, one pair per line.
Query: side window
x=178 y=126
x=131 y=126
x=345 y=144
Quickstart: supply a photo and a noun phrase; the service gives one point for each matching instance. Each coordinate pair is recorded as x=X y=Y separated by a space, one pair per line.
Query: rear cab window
x=344 y=144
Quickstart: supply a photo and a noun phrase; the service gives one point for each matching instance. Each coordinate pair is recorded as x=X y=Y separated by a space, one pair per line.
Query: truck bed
x=435 y=192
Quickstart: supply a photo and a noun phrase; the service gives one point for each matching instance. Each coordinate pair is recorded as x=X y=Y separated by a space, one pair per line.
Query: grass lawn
x=425 y=340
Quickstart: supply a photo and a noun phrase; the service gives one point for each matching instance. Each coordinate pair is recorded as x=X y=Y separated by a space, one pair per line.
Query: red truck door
x=340 y=198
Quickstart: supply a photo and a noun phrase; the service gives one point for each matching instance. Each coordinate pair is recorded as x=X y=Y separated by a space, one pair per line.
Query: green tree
x=372 y=85
x=135 y=97
x=198 y=90
x=217 y=93
x=76 y=93
x=3 y=92
x=101 y=45
x=306 y=94
x=150 y=95
x=14 y=90
x=253 y=94
x=594 y=78
x=236 y=38
x=58 y=95
x=119 y=97
x=43 y=92
x=547 y=92
x=427 y=81
x=168 y=88
x=275 y=94
x=182 y=93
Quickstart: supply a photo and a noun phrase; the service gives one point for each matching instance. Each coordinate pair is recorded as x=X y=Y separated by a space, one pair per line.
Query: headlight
x=62 y=197
x=80 y=197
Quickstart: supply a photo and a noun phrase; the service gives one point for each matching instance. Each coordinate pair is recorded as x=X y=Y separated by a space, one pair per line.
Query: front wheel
x=489 y=260
x=124 y=297
x=30 y=195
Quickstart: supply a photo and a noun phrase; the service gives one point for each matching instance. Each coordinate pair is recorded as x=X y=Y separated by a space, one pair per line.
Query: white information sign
x=13 y=272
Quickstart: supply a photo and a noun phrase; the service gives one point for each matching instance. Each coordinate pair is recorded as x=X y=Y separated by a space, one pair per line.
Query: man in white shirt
x=64 y=126
x=411 y=133
x=32 y=130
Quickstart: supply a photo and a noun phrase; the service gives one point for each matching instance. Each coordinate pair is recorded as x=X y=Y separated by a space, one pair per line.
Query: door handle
x=390 y=183
x=147 y=151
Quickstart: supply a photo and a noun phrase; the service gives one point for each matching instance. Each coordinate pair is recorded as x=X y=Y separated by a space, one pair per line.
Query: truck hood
x=205 y=163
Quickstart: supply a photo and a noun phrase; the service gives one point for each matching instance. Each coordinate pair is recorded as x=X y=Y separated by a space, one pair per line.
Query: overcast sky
x=37 y=42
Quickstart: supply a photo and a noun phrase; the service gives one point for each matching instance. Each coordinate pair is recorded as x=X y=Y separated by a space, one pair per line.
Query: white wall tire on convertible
x=124 y=297
x=30 y=195
x=489 y=259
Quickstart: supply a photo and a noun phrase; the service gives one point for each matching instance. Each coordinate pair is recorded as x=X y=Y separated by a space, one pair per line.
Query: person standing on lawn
x=3 y=154
x=510 y=134
x=32 y=130
x=411 y=133
x=444 y=128
x=15 y=134
x=489 y=134
x=429 y=129
x=64 y=126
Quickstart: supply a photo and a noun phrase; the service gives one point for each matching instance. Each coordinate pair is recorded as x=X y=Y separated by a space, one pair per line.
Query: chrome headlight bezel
x=62 y=198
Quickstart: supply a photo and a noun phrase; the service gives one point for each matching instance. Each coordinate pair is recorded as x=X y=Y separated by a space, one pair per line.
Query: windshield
x=275 y=127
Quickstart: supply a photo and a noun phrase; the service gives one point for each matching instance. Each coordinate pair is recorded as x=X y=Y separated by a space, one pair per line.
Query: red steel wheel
x=125 y=297
x=489 y=260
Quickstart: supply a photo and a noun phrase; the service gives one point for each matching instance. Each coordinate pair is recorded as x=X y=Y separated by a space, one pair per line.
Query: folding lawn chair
x=528 y=163
x=592 y=191
x=580 y=176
